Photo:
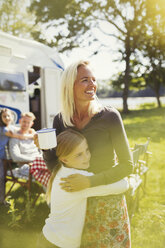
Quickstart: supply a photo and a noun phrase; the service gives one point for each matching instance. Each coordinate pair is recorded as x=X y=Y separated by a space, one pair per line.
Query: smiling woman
x=78 y=94
x=103 y=128
x=85 y=85
x=84 y=93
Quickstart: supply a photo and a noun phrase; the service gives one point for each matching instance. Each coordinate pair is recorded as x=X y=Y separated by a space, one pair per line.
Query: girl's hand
x=32 y=131
x=75 y=182
x=35 y=138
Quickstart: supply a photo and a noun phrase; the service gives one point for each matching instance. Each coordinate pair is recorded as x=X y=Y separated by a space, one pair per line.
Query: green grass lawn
x=148 y=224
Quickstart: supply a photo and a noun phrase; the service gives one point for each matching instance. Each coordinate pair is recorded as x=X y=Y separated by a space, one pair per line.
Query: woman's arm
x=124 y=166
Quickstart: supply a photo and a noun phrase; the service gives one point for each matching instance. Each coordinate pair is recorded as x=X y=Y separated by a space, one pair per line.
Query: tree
x=15 y=19
x=154 y=79
x=78 y=17
x=153 y=46
x=69 y=27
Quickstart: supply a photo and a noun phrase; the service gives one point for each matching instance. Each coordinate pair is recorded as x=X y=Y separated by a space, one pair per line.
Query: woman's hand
x=75 y=182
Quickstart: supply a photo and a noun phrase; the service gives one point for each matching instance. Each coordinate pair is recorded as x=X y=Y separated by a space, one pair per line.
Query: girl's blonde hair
x=67 y=141
x=67 y=93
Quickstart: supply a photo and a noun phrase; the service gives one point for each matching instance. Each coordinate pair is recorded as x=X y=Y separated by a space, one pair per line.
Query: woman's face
x=85 y=85
x=7 y=118
x=79 y=158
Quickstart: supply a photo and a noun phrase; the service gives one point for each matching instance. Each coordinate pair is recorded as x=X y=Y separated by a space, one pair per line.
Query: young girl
x=7 y=130
x=63 y=227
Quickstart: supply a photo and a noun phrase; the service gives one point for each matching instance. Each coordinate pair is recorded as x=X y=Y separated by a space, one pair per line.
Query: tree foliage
x=15 y=19
x=68 y=19
x=79 y=17
x=137 y=25
x=153 y=46
x=73 y=20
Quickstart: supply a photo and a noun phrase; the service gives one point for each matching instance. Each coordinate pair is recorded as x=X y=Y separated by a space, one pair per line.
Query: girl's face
x=79 y=158
x=85 y=85
x=7 y=118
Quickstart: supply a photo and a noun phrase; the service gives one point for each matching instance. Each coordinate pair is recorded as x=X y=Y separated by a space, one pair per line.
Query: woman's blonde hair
x=67 y=141
x=67 y=93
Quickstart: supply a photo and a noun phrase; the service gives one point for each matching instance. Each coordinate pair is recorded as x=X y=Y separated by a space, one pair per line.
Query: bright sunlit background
x=101 y=57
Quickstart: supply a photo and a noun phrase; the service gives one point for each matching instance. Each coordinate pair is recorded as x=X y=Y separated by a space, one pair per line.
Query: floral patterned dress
x=107 y=223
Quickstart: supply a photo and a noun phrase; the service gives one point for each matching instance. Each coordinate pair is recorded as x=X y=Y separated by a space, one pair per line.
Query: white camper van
x=29 y=78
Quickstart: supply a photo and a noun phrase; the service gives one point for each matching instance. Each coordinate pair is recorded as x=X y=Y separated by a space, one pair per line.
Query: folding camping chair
x=24 y=180
x=133 y=194
x=20 y=175
x=142 y=165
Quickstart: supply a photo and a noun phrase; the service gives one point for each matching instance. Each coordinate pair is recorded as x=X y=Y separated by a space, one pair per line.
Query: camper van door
x=50 y=95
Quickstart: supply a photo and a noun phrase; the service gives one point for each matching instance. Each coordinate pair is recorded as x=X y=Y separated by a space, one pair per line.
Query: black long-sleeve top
x=106 y=139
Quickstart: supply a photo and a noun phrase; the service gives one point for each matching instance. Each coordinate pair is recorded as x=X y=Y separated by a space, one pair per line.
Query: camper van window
x=12 y=81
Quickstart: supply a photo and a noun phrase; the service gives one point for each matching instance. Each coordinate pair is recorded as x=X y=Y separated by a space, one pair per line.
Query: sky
x=103 y=62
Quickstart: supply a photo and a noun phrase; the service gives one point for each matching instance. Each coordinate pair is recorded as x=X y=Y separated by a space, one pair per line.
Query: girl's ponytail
x=49 y=186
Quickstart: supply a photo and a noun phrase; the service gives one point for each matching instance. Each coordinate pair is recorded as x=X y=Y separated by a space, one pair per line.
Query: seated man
x=24 y=150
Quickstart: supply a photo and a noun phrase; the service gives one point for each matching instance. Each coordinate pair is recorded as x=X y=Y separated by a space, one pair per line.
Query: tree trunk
x=125 y=94
x=157 y=89
x=126 y=76
x=158 y=101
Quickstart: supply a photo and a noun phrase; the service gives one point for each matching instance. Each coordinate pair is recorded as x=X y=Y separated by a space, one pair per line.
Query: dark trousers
x=42 y=242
